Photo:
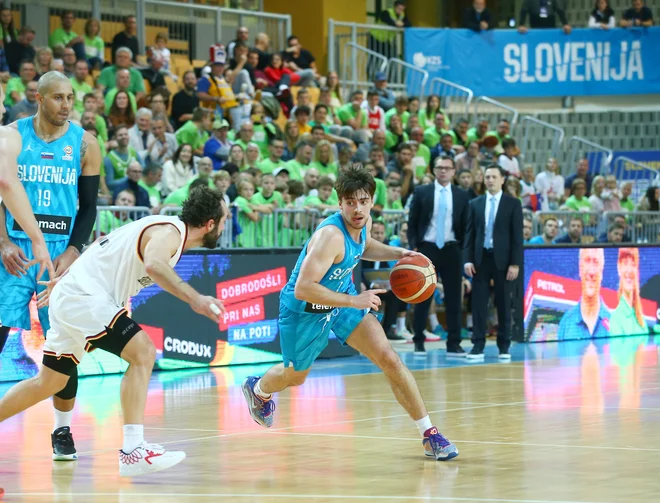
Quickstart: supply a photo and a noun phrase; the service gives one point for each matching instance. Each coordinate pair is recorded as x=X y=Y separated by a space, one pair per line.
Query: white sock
x=261 y=394
x=401 y=324
x=62 y=419
x=433 y=320
x=423 y=425
x=133 y=436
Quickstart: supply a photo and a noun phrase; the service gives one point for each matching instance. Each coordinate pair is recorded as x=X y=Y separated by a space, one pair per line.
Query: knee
x=388 y=361
x=141 y=354
x=51 y=383
x=297 y=379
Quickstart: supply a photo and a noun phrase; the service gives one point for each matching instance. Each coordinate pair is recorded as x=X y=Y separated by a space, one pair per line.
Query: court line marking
x=302 y=496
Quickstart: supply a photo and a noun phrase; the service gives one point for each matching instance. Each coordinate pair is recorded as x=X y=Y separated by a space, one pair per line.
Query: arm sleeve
x=88 y=189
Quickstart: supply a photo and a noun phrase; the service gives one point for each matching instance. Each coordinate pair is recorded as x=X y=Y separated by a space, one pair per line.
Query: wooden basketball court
x=577 y=422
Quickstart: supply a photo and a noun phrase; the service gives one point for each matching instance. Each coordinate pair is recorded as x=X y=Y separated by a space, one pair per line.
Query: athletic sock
x=62 y=419
x=261 y=394
x=423 y=425
x=401 y=324
x=433 y=320
x=133 y=437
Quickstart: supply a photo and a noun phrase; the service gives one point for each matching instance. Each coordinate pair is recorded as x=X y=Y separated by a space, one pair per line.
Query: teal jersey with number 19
x=49 y=172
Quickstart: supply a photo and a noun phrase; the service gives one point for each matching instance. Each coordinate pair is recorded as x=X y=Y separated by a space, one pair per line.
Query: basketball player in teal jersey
x=59 y=167
x=320 y=296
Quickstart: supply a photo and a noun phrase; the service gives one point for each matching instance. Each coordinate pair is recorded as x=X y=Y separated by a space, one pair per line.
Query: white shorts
x=77 y=319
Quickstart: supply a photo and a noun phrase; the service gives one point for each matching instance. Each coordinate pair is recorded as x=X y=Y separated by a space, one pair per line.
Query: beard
x=210 y=239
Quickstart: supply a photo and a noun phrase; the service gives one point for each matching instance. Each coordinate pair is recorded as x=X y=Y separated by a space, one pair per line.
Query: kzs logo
x=430 y=62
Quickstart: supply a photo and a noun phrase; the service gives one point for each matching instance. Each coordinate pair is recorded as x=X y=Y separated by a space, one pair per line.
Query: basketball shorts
x=17 y=292
x=80 y=322
x=303 y=336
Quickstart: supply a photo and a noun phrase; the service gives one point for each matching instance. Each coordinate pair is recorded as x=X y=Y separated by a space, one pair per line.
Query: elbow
x=5 y=182
x=300 y=291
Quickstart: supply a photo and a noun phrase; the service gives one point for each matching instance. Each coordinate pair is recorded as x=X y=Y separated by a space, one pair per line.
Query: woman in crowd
x=121 y=113
x=596 y=200
x=333 y=84
x=9 y=32
x=602 y=16
x=94 y=45
x=43 y=60
x=324 y=160
x=237 y=156
x=179 y=170
x=291 y=139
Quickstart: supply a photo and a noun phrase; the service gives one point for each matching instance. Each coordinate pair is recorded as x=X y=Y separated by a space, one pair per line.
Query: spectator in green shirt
x=107 y=79
x=94 y=44
x=65 y=36
x=380 y=196
x=265 y=202
x=274 y=161
x=195 y=131
x=122 y=83
x=245 y=134
x=15 y=90
x=326 y=196
x=427 y=115
x=401 y=109
x=432 y=135
x=354 y=116
x=248 y=219
x=478 y=132
x=501 y=132
x=298 y=166
x=395 y=135
x=150 y=181
x=324 y=160
x=108 y=221
x=393 y=196
x=628 y=317
x=178 y=197
x=80 y=86
x=578 y=200
x=90 y=104
x=627 y=204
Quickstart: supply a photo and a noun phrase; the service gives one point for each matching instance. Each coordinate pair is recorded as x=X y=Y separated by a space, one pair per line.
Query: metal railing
x=538 y=140
x=641 y=176
x=494 y=111
x=357 y=65
x=407 y=78
x=110 y=218
x=226 y=238
x=592 y=225
x=454 y=99
x=579 y=148
x=340 y=33
x=191 y=27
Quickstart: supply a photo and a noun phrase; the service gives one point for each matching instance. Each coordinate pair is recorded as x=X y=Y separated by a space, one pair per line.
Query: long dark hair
x=175 y=157
x=650 y=196
x=128 y=115
x=10 y=32
x=607 y=13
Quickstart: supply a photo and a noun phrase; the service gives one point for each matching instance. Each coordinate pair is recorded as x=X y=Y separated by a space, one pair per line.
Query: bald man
x=59 y=167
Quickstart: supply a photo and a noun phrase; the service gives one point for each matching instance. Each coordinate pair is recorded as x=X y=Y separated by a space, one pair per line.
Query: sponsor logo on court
x=187 y=348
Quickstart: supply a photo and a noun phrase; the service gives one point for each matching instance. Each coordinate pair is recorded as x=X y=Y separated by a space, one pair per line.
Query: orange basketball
x=413 y=279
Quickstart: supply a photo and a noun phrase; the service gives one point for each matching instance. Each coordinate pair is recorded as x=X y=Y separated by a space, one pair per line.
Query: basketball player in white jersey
x=87 y=312
x=14 y=197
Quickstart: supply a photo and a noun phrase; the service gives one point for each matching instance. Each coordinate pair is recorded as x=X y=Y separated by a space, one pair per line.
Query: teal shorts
x=303 y=336
x=18 y=292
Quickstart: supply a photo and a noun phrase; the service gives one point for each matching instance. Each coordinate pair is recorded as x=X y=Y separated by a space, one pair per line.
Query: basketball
x=413 y=279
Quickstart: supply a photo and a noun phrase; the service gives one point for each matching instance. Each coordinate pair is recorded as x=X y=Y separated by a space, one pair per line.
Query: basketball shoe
x=261 y=410
x=437 y=446
x=63 y=447
x=148 y=458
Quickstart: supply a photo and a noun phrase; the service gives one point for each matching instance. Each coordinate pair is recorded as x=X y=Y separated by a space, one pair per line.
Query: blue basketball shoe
x=437 y=446
x=260 y=409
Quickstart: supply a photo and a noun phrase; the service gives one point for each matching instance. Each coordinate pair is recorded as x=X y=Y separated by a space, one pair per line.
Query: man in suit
x=493 y=251
x=436 y=227
x=477 y=17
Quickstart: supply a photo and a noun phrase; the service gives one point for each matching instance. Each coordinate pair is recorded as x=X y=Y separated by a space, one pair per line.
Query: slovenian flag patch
x=47 y=155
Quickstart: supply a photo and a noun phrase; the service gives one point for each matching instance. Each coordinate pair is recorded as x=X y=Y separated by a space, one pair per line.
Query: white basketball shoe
x=148 y=458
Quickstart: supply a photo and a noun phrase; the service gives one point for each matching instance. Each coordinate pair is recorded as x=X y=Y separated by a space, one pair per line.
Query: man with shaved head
x=59 y=167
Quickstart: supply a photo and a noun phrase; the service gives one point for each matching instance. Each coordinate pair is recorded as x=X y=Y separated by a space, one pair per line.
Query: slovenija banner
x=505 y=63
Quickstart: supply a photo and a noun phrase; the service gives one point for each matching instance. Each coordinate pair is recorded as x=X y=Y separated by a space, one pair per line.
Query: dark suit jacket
x=471 y=20
x=421 y=212
x=507 y=232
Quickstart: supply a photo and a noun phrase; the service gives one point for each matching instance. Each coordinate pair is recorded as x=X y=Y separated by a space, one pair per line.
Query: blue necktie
x=440 y=220
x=490 y=224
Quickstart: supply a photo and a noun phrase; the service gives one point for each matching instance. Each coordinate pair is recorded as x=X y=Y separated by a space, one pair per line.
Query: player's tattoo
x=83 y=149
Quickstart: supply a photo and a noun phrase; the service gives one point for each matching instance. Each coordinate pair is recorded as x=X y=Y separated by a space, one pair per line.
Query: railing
x=110 y=218
x=454 y=99
x=538 y=140
x=340 y=33
x=592 y=225
x=494 y=111
x=641 y=176
x=191 y=27
x=358 y=64
x=579 y=148
x=404 y=77
x=226 y=238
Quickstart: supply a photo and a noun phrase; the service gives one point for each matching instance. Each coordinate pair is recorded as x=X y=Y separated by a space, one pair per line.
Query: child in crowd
x=247 y=218
x=265 y=202
x=611 y=195
x=508 y=159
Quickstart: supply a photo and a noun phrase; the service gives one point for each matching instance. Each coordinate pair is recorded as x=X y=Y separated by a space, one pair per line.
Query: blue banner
x=649 y=158
x=505 y=63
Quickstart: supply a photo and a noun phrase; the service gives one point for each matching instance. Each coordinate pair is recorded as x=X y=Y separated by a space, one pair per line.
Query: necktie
x=440 y=220
x=490 y=224
x=144 y=139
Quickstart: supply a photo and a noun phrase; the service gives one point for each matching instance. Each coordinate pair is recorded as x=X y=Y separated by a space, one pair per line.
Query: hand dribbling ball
x=413 y=279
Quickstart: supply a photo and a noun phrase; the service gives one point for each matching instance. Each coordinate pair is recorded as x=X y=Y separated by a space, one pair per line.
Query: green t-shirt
x=426 y=122
x=295 y=169
x=248 y=236
x=110 y=97
x=154 y=193
x=14 y=84
x=120 y=163
x=499 y=138
x=261 y=138
x=60 y=37
x=94 y=47
x=404 y=117
x=396 y=205
x=472 y=135
x=108 y=222
x=267 y=166
x=624 y=321
x=326 y=170
x=380 y=196
x=107 y=79
x=628 y=205
x=347 y=113
x=241 y=144
x=177 y=197
x=575 y=205
x=188 y=133
x=392 y=140
x=424 y=153
x=432 y=137
x=333 y=200
x=80 y=89
x=101 y=128
x=266 y=228
x=326 y=126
